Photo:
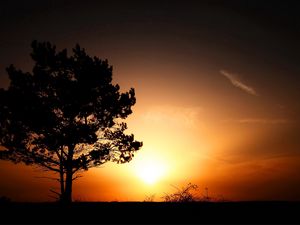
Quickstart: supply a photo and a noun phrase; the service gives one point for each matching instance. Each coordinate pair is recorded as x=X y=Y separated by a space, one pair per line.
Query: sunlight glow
x=149 y=174
x=150 y=171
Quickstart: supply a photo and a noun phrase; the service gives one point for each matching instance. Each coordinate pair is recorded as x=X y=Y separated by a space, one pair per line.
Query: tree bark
x=60 y=154
x=69 y=176
x=68 y=189
x=62 y=180
x=62 y=185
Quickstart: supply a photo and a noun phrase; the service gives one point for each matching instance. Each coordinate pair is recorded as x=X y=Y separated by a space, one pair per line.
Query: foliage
x=189 y=193
x=184 y=194
x=149 y=198
x=66 y=116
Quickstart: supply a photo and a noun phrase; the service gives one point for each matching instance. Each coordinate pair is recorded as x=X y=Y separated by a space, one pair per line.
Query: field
x=151 y=213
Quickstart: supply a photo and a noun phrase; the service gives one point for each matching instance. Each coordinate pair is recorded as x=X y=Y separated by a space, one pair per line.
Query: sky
x=217 y=87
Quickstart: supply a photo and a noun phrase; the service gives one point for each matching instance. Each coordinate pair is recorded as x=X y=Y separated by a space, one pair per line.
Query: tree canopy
x=66 y=115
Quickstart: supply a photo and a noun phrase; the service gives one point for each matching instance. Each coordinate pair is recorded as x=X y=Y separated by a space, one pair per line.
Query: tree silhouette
x=182 y=195
x=66 y=116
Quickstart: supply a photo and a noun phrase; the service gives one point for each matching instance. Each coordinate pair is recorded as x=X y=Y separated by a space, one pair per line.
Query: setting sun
x=150 y=171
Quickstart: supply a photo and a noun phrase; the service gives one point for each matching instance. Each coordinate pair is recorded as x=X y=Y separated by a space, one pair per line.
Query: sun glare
x=150 y=171
x=149 y=174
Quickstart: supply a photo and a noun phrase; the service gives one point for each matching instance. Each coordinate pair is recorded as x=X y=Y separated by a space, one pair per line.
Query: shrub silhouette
x=189 y=193
x=149 y=198
x=184 y=194
x=66 y=116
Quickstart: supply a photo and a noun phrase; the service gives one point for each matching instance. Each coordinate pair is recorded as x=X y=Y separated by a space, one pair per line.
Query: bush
x=184 y=194
x=149 y=198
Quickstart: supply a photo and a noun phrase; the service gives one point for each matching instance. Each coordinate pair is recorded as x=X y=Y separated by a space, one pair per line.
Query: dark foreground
x=152 y=213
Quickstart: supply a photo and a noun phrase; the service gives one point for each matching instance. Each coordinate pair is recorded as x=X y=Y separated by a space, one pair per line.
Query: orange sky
x=187 y=140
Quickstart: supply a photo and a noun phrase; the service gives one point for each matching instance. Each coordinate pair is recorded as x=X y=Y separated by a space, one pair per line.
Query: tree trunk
x=68 y=190
x=61 y=176
x=62 y=186
x=69 y=177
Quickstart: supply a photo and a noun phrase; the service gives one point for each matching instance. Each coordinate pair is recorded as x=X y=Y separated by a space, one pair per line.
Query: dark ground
x=151 y=213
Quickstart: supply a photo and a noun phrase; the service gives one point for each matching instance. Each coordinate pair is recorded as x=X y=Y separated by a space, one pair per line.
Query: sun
x=150 y=171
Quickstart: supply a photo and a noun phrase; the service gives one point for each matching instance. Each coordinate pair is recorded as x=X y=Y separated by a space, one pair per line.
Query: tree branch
x=50 y=178
x=53 y=197
x=59 y=194
x=76 y=177
x=48 y=167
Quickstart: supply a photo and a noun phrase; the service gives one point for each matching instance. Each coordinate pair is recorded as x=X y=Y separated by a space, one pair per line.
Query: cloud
x=259 y=121
x=237 y=83
x=172 y=115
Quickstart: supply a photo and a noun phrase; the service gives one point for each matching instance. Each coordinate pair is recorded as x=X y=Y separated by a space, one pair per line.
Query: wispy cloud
x=259 y=121
x=237 y=83
x=180 y=116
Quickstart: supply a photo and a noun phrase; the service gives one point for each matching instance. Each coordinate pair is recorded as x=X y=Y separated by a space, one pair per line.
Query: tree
x=66 y=116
